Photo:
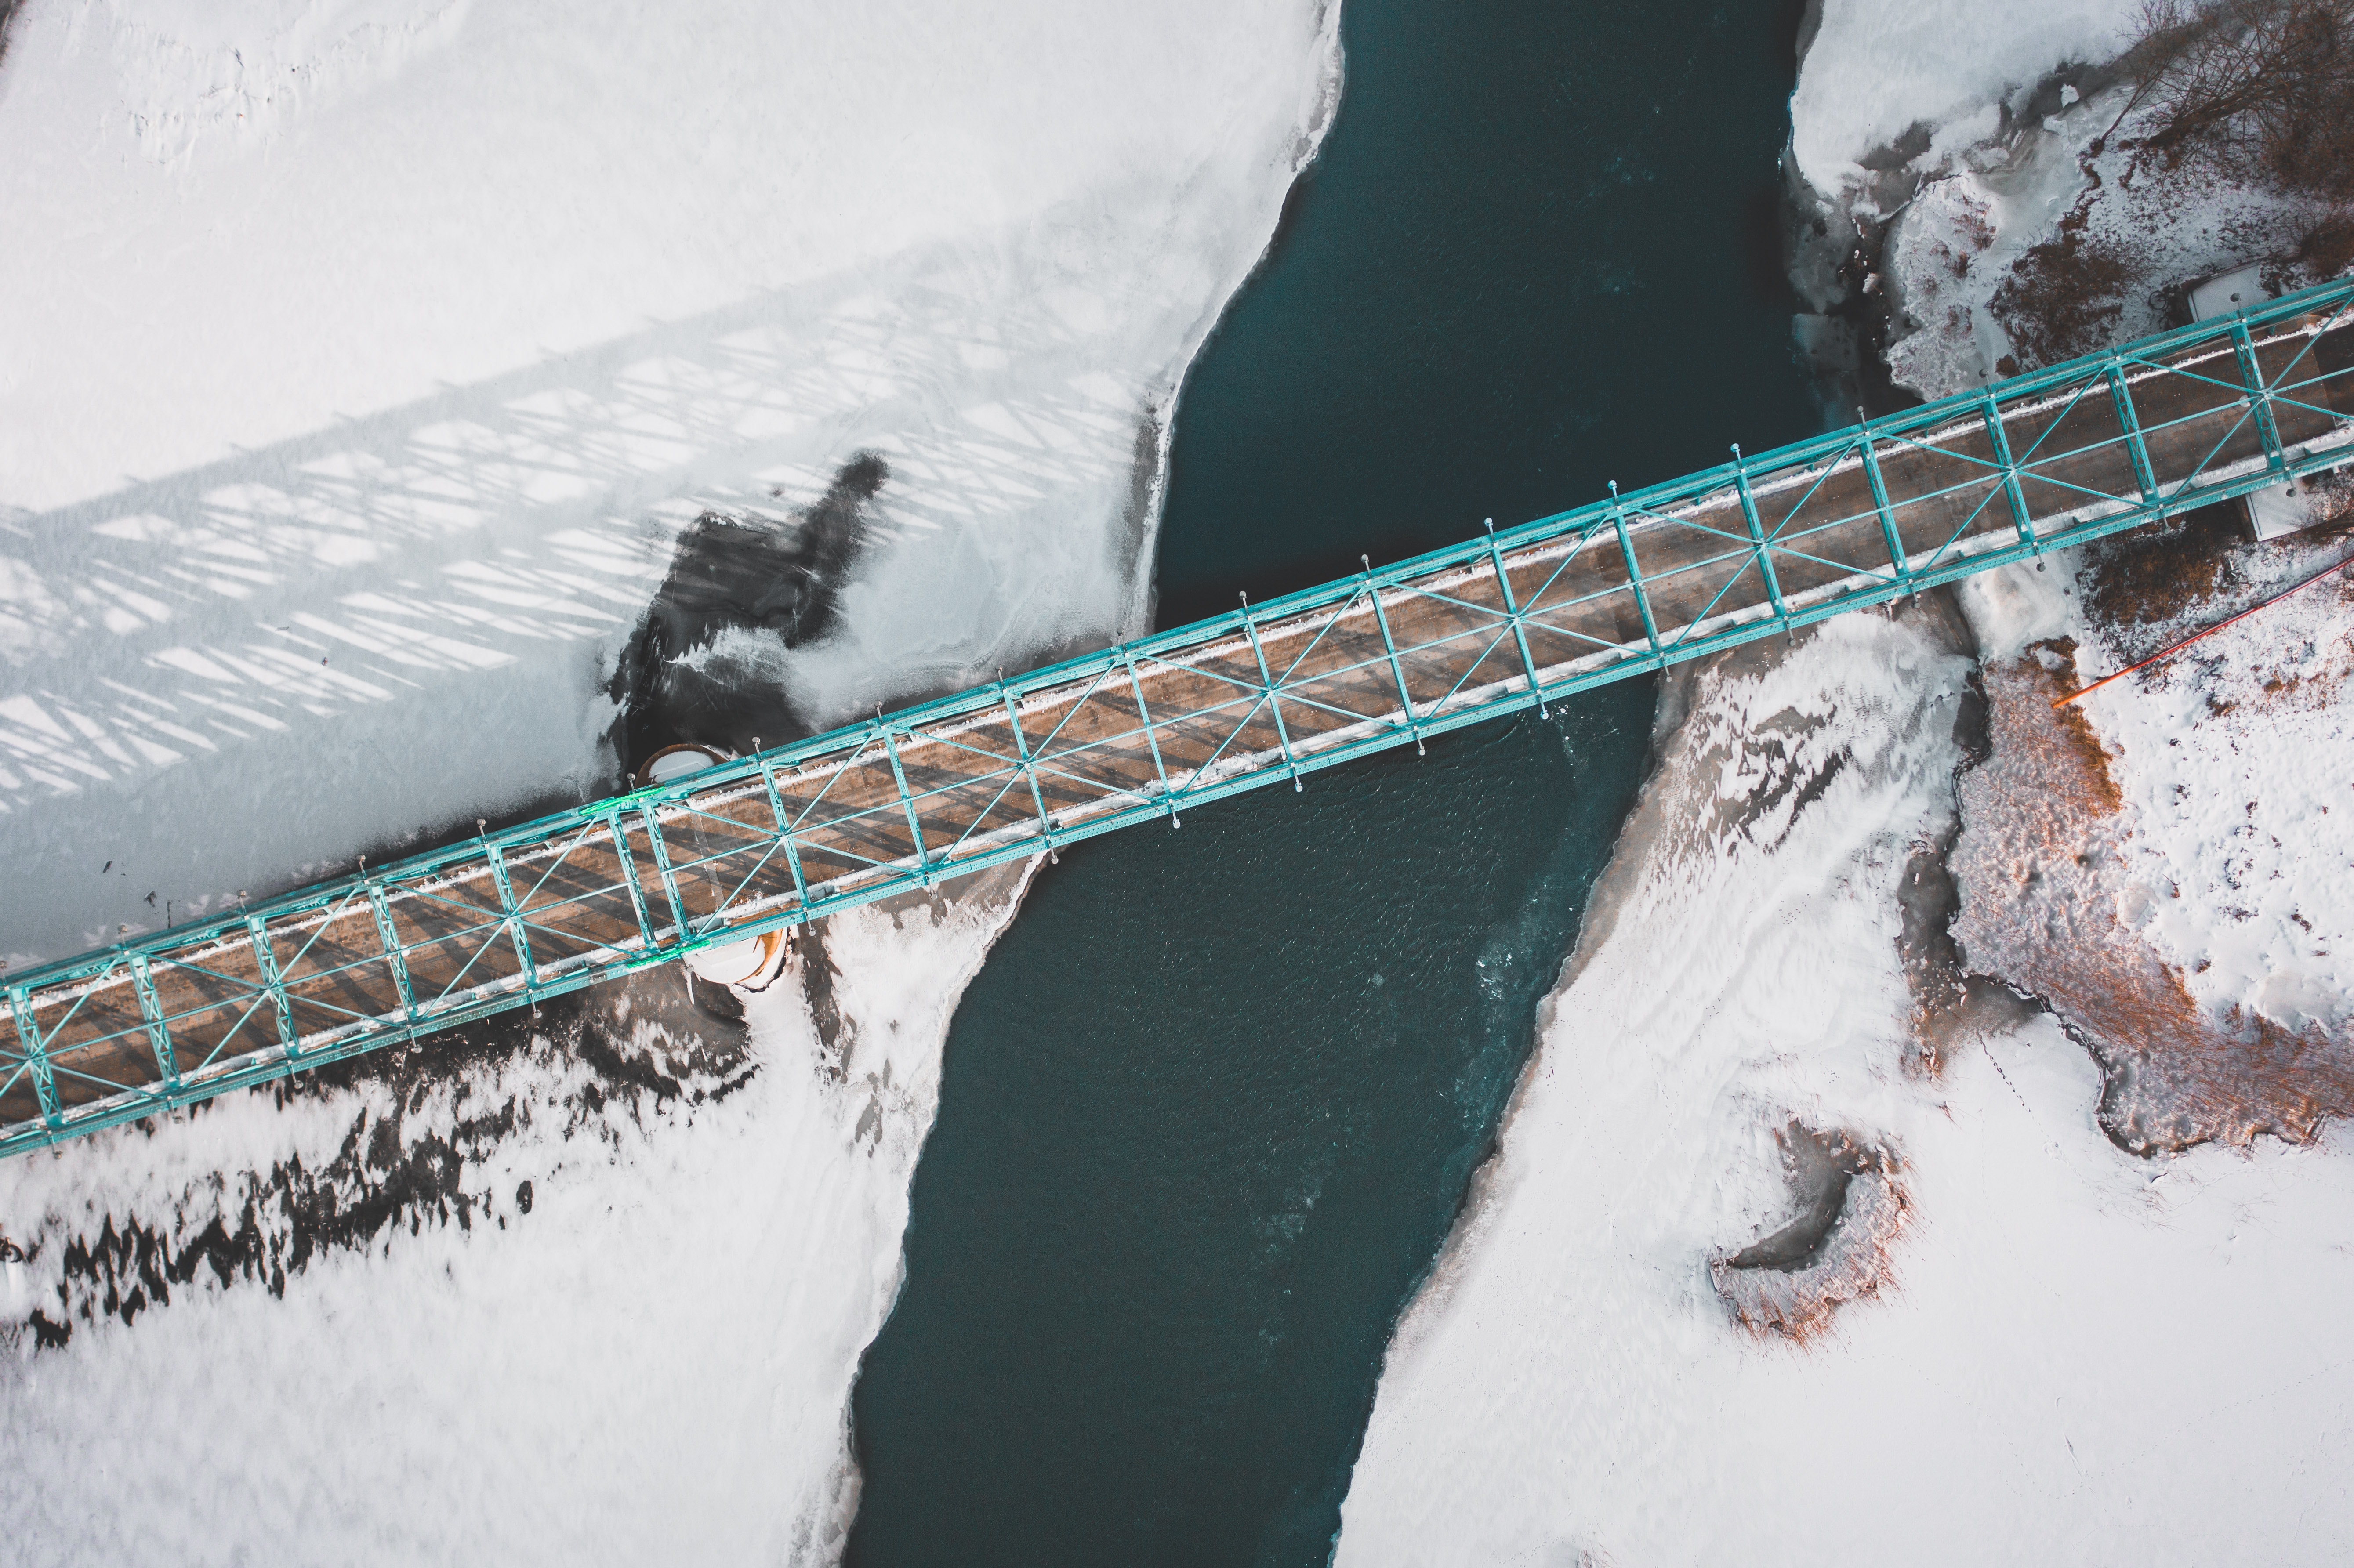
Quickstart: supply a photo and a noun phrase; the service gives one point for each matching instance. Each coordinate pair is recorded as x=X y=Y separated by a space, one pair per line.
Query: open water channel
x=1211 y=1108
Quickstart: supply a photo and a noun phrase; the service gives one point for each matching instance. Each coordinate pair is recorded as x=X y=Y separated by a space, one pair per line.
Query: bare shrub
x=2262 y=88
x=2152 y=577
x=2327 y=248
x=2064 y=297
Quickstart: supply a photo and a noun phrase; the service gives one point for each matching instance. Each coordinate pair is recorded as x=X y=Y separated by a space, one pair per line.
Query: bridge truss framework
x=1147 y=730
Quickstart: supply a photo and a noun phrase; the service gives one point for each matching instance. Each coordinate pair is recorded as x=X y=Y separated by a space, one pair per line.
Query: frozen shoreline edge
x=849 y=1483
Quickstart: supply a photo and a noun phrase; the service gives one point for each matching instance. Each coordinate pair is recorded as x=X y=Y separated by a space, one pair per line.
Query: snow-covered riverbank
x=371 y=357
x=1793 y=1245
x=599 y=1298
x=370 y=362
x=2023 y=1343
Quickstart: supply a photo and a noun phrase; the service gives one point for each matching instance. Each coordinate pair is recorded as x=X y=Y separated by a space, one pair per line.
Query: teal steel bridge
x=1145 y=731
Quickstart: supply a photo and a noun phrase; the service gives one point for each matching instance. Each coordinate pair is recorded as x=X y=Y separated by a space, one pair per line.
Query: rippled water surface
x=1211 y=1108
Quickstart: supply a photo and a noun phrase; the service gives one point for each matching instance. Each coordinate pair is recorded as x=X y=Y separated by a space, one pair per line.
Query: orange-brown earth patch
x=2040 y=878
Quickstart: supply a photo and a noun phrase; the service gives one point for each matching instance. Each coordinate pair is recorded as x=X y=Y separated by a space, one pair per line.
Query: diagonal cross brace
x=1888 y=533
x=395 y=956
x=1990 y=413
x=29 y=1036
x=908 y=803
x=265 y=961
x=1512 y=613
x=1135 y=688
x=785 y=831
x=1634 y=572
x=1029 y=770
x=669 y=877
x=628 y=865
x=151 y=1011
x=2129 y=421
x=1757 y=540
x=2259 y=394
x=1397 y=667
x=515 y=932
x=1267 y=685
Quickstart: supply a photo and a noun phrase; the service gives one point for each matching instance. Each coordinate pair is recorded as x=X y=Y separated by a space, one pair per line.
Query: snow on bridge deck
x=1011 y=769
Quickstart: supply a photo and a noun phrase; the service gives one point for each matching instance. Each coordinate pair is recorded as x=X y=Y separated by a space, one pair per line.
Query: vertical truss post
x=2121 y=397
x=395 y=956
x=1512 y=611
x=515 y=932
x=1990 y=415
x=669 y=877
x=265 y=961
x=1029 y=769
x=1888 y=533
x=2260 y=395
x=151 y=1011
x=1634 y=572
x=628 y=865
x=1758 y=539
x=1389 y=646
x=1274 y=705
x=1136 y=689
x=785 y=831
x=906 y=802
x=37 y=1055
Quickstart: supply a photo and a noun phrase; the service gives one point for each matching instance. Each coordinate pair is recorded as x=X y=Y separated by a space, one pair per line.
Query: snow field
x=2085 y=1357
x=653 y=1364
x=2232 y=759
x=370 y=359
x=1873 y=71
x=1985 y=177
x=421 y=358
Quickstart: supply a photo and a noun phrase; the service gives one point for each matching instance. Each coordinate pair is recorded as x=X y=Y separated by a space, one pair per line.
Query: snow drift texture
x=2068 y=1354
x=364 y=362
x=2062 y=1353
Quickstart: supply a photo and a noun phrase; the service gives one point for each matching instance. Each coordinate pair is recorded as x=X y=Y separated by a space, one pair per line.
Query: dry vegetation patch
x=1850 y=1206
x=2042 y=879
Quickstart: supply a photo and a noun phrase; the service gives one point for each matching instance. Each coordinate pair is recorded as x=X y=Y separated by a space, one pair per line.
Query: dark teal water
x=1541 y=250
x=1209 y=1110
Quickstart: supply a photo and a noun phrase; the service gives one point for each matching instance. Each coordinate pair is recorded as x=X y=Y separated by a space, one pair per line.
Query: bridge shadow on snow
x=413 y=619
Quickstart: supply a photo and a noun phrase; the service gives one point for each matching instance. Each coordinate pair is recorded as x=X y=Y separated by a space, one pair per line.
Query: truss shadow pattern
x=1148 y=730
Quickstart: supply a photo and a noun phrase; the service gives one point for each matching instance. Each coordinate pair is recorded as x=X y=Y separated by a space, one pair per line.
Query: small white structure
x=675 y=762
x=749 y=965
x=2277 y=509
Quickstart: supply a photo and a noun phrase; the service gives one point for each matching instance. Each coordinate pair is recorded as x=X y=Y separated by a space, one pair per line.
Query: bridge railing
x=1147 y=730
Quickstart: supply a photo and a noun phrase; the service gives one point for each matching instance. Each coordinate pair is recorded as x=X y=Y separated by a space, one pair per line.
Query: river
x=1211 y=1107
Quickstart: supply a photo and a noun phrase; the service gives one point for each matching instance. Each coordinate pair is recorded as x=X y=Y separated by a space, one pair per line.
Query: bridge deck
x=1009 y=769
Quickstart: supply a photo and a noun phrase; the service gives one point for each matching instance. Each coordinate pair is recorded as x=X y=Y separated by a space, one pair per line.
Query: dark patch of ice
x=740 y=573
x=1820 y=1165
